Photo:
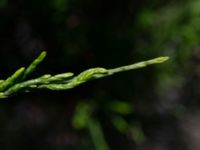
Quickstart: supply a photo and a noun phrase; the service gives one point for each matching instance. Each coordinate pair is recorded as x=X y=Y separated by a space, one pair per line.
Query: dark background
x=78 y=35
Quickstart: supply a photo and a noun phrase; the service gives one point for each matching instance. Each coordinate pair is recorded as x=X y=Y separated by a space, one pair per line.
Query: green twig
x=62 y=81
x=11 y=80
x=34 y=64
x=96 y=73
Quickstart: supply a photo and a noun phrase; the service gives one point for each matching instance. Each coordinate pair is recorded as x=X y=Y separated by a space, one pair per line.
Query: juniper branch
x=64 y=81
x=96 y=73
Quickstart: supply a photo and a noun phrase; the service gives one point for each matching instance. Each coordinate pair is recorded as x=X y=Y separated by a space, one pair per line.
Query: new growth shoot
x=64 y=81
